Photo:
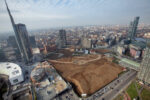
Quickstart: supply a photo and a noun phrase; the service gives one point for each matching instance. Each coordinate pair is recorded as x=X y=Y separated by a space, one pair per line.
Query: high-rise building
x=144 y=73
x=2 y=55
x=12 y=41
x=24 y=41
x=133 y=28
x=22 y=38
x=62 y=41
x=32 y=41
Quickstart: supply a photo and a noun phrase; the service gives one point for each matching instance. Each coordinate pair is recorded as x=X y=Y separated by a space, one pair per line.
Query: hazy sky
x=38 y=14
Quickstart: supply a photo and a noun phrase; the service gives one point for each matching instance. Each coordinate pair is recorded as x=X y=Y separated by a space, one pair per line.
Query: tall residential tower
x=144 y=73
x=22 y=38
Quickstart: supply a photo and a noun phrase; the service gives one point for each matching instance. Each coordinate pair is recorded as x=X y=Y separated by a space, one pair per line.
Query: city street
x=110 y=91
x=125 y=80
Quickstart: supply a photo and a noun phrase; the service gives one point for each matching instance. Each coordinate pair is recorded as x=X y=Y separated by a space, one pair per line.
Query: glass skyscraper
x=62 y=41
x=22 y=38
x=133 y=28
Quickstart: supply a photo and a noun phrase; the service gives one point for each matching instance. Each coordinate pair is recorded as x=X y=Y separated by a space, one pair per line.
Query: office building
x=144 y=73
x=32 y=41
x=62 y=41
x=2 y=55
x=86 y=43
x=133 y=28
x=22 y=38
x=24 y=42
x=12 y=41
x=10 y=53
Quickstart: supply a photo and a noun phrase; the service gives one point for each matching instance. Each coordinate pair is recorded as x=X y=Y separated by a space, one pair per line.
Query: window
x=15 y=81
x=15 y=72
x=8 y=67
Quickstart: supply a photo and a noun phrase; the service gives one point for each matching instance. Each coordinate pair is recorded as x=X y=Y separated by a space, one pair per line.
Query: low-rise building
x=10 y=53
x=129 y=64
x=121 y=50
x=135 y=51
x=13 y=71
x=86 y=43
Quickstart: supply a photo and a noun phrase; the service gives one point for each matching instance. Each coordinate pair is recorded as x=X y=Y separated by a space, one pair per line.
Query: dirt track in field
x=88 y=73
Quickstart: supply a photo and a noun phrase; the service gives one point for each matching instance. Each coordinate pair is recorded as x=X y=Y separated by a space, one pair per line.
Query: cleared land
x=88 y=73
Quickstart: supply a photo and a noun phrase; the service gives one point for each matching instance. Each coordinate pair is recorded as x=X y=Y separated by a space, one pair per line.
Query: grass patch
x=145 y=94
x=138 y=86
x=131 y=90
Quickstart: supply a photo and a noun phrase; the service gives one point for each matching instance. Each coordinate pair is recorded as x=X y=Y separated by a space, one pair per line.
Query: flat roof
x=10 y=69
x=131 y=62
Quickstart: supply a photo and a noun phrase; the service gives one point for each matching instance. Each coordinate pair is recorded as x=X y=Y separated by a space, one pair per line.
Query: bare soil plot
x=90 y=76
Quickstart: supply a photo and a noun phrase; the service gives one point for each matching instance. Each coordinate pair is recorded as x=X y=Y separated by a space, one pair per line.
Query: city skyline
x=74 y=50
x=62 y=13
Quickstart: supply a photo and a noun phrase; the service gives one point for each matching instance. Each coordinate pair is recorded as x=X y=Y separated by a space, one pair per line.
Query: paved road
x=108 y=92
x=114 y=88
x=126 y=79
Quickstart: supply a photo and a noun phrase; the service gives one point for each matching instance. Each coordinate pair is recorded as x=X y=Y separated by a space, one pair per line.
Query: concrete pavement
x=126 y=80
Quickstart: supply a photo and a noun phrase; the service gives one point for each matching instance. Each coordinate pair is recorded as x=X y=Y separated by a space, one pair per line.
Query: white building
x=13 y=71
x=86 y=43
x=35 y=50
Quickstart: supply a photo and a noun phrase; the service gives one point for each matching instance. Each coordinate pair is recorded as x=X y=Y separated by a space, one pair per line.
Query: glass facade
x=133 y=28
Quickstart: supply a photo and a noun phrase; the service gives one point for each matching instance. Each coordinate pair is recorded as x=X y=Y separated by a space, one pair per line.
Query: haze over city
x=39 y=14
x=74 y=50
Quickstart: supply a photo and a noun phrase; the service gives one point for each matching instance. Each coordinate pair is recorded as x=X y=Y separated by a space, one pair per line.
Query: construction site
x=88 y=73
x=47 y=82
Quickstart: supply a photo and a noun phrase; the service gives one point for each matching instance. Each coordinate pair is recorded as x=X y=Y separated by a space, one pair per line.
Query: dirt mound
x=102 y=51
x=89 y=77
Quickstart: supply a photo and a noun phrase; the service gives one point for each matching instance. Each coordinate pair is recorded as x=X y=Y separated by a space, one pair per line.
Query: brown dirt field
x=88 y=77
x=85 y=57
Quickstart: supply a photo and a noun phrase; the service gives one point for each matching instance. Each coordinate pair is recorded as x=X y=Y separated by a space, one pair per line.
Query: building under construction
x=47 y=82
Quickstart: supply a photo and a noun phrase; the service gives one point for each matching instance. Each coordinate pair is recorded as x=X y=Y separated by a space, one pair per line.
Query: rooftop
x=10 y=69
x=133 y=63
